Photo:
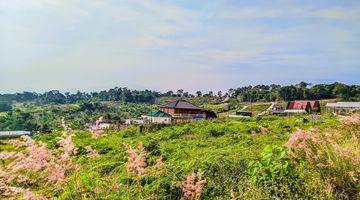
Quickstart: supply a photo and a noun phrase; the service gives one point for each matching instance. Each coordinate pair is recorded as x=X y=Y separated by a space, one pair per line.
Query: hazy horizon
x=167 y=45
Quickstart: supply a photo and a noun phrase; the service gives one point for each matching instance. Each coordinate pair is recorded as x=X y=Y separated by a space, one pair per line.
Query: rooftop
x=181 y=104
x=158 y=114
x=301 y=104
x=344 y=105
x=4 y=134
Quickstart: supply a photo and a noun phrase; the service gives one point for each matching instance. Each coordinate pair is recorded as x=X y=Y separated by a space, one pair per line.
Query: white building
x=134 y=121
x=13 y=134
x=158 y=117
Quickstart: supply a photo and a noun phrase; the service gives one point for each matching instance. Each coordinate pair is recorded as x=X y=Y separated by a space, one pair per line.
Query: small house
x=277 y=108
x=303 y=106
x=158 y=117
x=134 y=121
x=181 y=110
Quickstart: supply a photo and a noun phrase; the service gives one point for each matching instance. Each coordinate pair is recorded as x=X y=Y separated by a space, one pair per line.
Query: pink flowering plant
x=193 y=185
x=350 y=120
x=338 y=163
x=91 y=153
x=95 y=129
x=35 y=164
x=136 y=164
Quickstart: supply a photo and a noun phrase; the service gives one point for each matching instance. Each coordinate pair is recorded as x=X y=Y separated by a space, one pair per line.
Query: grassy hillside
x=245 y=159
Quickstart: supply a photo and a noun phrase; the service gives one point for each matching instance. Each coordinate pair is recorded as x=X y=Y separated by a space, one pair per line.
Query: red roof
x=301 y=105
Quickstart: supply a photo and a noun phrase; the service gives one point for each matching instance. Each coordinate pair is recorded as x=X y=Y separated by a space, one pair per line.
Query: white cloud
x=101 y=44
x=338 y=13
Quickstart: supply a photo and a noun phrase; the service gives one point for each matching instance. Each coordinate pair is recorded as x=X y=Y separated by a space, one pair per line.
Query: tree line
x=271 y=92
x=299 y=91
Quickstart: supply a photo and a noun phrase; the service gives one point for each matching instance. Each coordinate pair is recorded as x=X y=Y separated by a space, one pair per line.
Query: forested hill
x=250 y=93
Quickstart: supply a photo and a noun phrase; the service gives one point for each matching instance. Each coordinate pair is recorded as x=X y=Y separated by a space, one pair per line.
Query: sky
x=205 y=45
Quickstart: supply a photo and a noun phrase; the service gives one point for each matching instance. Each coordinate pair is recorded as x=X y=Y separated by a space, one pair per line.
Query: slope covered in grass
x=238 y=159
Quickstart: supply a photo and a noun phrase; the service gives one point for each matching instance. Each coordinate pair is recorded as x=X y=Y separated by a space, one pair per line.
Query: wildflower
x=28 y=195
x=16 y=143
x=7 y=155
x=68 y=146
x=95 y=129
x=192 y=187
x=342 y=151
x=116 y=187
x=349 y=120
x=328 y=189
x=296 y=138
x=96 y=134
x=66 y=128
x=36 y=160
x=264 y=130
x=136 y=162
x=56 y=175
x=92 y=153
x=27 y=140
x=159 y=162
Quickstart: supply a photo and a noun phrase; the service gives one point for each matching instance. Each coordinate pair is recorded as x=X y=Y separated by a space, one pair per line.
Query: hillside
x=257 y=158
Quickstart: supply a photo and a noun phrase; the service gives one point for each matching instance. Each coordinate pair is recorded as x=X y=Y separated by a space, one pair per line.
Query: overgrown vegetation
x=297 y=157
x=45 y=118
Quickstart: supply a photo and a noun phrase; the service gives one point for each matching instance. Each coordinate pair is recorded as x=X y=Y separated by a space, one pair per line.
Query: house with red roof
x=181 y=110
x=302 y=106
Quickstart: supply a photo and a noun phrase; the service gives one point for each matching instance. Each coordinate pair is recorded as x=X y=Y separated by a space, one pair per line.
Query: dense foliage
x=249 y=93
x=260 y=158
x=44 y=118
x=296 y=92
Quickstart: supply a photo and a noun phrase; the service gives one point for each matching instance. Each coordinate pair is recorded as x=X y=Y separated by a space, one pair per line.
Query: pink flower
x=193 y=185
x=92 y=153
x=16 y=143
x=57 y=175
x=66 y=128
x=342 y=151
x=7 y=155
x=349 y=120
x=296 y=138
x=68 y=146
x=36 y=160
x=96 y=134
x=159 y=162
x=28 y=195
x=136 y=162
x=264 y=130
x=95 y=129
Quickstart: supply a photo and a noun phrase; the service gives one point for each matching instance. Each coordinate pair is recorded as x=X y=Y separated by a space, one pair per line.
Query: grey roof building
x=343 y=106
x=181 y=104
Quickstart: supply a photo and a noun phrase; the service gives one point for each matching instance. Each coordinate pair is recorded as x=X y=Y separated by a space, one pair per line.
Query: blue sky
x=195 y=45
